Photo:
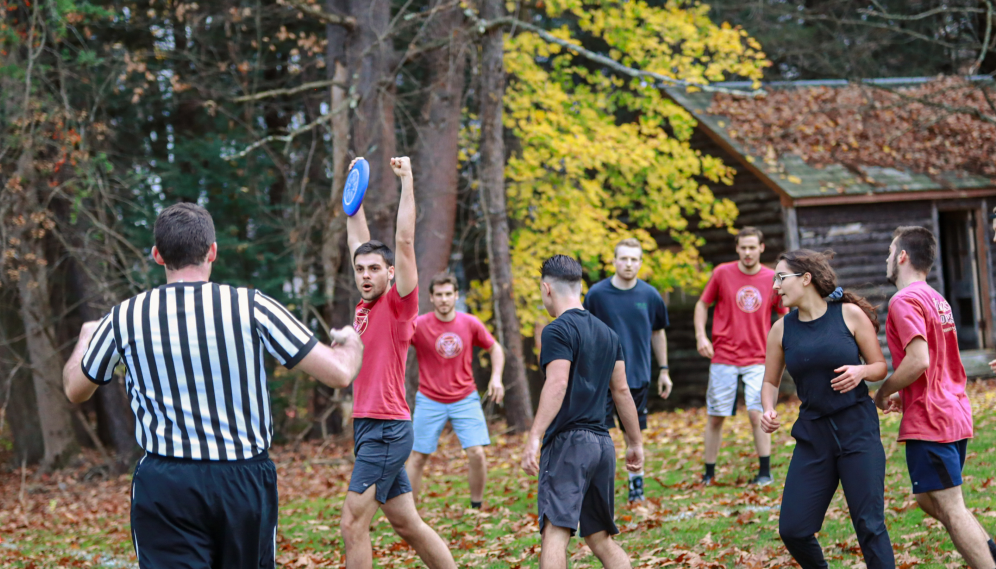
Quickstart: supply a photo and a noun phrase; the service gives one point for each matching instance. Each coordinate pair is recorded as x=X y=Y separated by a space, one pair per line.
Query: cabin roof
x=799 y=183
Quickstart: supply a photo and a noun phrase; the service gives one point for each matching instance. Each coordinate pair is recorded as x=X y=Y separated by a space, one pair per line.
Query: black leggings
x=844 y=448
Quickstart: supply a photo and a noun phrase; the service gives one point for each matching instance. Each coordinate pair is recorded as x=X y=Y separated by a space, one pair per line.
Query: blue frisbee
x=356 y=187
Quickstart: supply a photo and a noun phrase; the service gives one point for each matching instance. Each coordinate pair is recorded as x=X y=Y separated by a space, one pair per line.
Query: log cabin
x=852 y=211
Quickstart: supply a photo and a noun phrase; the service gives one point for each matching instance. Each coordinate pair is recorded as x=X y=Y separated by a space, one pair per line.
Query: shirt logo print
x=944 y=314
x=749 y=299
x=361 y=320
x=449 y=345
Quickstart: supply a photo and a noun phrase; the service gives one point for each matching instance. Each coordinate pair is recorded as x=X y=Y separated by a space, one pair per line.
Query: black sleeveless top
x=812 y=351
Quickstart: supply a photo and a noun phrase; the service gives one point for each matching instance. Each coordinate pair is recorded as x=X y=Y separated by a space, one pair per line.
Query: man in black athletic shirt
x=582 y=359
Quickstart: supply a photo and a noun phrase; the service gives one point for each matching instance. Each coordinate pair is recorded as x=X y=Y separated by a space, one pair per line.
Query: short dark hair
x=441 y=279
x=375 y=247
x=561 y=268
x=750 y=232
x=183 y=233
x=919 y=243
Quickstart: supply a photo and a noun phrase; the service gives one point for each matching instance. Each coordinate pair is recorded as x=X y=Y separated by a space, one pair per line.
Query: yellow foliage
x=602 y=157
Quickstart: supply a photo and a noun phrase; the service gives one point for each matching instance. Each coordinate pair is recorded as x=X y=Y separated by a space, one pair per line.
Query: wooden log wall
x=860 y=236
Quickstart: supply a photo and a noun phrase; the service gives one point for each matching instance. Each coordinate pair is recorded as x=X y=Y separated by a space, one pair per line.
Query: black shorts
x=640 y=397
x=381 y=448
x=576 y=483
x=204 y=513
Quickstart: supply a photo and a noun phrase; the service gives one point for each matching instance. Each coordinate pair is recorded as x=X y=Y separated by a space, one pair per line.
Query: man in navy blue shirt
x=582 y=360
x=636 y=312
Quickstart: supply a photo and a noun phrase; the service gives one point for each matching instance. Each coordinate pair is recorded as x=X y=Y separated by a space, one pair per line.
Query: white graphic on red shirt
x=361 y=321
x=944 y=314
x=749 y=299
x=449 y=345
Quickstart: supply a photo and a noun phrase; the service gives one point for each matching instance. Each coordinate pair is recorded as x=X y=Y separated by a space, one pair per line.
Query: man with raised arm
x=582 y=360
x=205 y=493
x=382 y=426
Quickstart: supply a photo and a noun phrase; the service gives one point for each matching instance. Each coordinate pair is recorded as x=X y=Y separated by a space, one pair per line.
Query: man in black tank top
x=582 y=360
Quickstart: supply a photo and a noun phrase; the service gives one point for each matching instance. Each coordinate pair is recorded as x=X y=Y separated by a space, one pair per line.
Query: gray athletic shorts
x=381 y=449
x=576 y=483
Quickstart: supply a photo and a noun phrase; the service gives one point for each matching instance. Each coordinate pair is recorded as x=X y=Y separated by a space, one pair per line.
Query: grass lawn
x=80 y=519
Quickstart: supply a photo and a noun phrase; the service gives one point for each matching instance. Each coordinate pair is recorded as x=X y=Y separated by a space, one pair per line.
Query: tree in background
x=600 y=152
x=827 y=39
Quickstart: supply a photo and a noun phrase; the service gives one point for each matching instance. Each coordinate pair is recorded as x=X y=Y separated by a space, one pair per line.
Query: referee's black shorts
x=204 y=514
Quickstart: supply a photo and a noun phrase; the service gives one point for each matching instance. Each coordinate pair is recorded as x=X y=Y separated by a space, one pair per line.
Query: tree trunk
x=54 y=410
x=371 y=59
x=335 y=222
x=17 y=398
x=335 y=225
x=518 y=404
x=435 y=161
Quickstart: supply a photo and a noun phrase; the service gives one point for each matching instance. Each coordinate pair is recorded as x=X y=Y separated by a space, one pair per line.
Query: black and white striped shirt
x=194 y=359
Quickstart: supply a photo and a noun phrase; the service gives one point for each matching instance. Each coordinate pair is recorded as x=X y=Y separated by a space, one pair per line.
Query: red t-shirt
x=445 y=355
x=386 y=326
x=742 y=317
x=935 y=407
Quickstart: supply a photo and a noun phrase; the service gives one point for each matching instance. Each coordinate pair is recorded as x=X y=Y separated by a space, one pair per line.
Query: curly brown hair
x=824 y=277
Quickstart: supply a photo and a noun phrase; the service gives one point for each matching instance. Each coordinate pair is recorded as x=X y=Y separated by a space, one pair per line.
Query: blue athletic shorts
x=381 y=449
x=935 y=466
x=466 y=415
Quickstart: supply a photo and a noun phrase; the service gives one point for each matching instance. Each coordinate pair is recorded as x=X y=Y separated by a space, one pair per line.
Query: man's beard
x=890 y=272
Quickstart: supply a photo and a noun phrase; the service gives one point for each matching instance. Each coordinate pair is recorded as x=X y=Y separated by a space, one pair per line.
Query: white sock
x=633 y=475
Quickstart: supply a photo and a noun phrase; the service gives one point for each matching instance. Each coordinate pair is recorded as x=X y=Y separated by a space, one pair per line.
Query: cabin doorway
x=961 y=274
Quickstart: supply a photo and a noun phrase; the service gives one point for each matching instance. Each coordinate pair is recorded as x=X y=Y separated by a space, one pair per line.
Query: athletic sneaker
x=636 y=489
x=760 y=480
x=706 y=479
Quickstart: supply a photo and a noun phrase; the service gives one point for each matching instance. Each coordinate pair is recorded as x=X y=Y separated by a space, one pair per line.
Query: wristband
x=664 y=367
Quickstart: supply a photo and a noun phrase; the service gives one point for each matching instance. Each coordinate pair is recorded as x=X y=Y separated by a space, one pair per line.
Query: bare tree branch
x=291 y=135
x=898 y=30
x=971 y=111
x=989 y=33
x=942 y=10
x=290 y=91
x=347 y=22
x=483 y=26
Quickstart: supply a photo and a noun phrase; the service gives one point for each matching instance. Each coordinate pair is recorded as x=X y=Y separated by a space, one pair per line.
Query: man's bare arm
x=337 y=365
x=701 y=317
x=628 y=416
x=405 y=271
x=76 y=384
x=551 y=399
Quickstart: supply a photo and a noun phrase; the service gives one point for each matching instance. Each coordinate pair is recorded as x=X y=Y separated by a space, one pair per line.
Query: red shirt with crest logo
x=445 y=355
x=386 y=326
x=742 y=317
x=935 y=407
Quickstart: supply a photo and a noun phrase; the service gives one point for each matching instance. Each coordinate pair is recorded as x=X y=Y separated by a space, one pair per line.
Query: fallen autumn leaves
x=79 y=517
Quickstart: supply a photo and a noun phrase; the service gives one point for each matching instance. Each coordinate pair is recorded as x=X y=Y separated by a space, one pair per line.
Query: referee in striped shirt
x=205 y=494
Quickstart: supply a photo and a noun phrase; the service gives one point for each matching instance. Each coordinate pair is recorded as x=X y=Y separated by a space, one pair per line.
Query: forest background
x=535 y=127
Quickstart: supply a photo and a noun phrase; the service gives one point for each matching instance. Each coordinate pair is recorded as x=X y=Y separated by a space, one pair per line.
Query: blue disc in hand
x=356 y=187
